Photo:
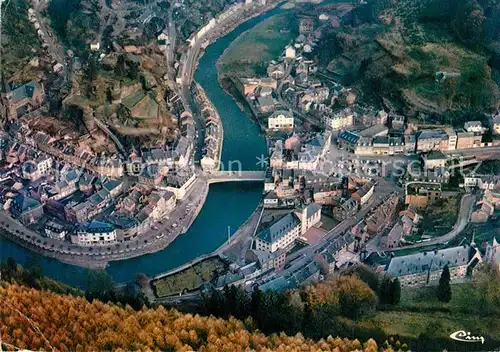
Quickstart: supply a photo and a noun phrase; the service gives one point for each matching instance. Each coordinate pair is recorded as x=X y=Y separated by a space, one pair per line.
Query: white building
x=474 y=126
x=41 y=166
x=281 y=120
x=309 y=216
x=55 y=230
x=290 y=52
x=96 y=233
x=485 y=182
x=283 y=232
x=339 y=120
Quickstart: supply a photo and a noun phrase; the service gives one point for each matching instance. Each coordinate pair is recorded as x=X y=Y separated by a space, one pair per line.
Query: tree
x=444 y=289
x=396 y=291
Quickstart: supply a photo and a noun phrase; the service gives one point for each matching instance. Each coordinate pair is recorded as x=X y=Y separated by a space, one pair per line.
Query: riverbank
x=158 y=238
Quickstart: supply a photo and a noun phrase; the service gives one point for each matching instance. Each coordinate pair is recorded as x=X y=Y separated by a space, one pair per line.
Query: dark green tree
x=443 y=292
x=396 y=291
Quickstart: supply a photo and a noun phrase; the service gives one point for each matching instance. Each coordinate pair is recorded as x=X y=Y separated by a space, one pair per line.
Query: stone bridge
x=235 y=176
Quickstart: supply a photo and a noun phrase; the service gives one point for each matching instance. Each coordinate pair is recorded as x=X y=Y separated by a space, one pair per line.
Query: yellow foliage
x=40 y=320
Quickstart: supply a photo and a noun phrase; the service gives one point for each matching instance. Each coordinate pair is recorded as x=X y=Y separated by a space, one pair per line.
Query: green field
x=189 y=279
x=419 y=312
x=250 y=54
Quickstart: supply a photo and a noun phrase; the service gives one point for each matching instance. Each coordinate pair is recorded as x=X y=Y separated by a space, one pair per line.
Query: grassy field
x=190 y=278
x=419 y=312
x=251 y=52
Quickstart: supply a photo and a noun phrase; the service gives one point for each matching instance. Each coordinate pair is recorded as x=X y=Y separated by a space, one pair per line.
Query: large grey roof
x=430 y=261
x=279 y=228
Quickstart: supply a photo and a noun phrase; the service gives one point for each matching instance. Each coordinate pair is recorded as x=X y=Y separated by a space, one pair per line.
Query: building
x=363 y=194
x=266 y=260
x=339 y=120
x=425 y=268
x=484 y=182
x=34 y=170
x=495 y=123
x=474 y=126
x=466 y=140
x=348 y=140
x=96 y=233
x=55 y=230
x=346 y=210
x=248 y=85
x=382 y=216
x=434 y=159
x=306 y=25
x=279 y=235
x=16 y=101
x=492 y=254
x=428 y=140
x=281 y=120
x=178 y=183
x=452 y=138
x=26 y=209
x=309 y=216
x=393 y=237
x=290 y=52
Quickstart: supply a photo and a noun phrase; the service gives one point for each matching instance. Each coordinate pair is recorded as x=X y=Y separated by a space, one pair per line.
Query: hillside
x=42 y=320
x=434 y=56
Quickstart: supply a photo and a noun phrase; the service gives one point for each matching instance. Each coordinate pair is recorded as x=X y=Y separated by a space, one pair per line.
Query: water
x=227 y=204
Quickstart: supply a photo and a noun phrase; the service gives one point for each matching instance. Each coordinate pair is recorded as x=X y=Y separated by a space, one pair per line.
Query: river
x=227 y=204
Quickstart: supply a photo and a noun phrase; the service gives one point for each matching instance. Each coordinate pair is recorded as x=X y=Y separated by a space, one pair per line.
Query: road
x=55 y=50
x=159 y=236
x=305 y=255
x=463 y=218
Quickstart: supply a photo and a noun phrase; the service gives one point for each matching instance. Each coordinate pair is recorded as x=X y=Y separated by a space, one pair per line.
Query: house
x=466 y=140
x=248 y=85
x=266 y=103
x=290 y=52
x=113 y=187
x=78 y=212
x=178 y=183
x=428 y=140
x=382 y=216
x=346 y=210
x=306 y=25
x=281 y=120
x=266 y=260
x=26 y=209
x=492 y=254
x=271 y=200
x=95 y=233
x=391 y=240
x=34 y=170
x=55 y=230
x=16 y=101
x=95 y=46
x=425 y=268
x=280 y=234
x=339 y=120
x=434 y=159
x=495 y=123
x=474 y=126
x=363 y=194
x=309 y=216
x=162 y=203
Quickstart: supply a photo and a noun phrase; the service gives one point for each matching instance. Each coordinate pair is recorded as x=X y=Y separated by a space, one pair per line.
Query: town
x=124 y=165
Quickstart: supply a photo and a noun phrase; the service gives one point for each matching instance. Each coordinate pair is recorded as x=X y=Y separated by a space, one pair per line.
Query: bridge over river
x=235 y=176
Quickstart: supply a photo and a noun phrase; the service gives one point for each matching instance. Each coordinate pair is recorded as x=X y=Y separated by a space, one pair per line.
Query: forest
x=41 y=320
